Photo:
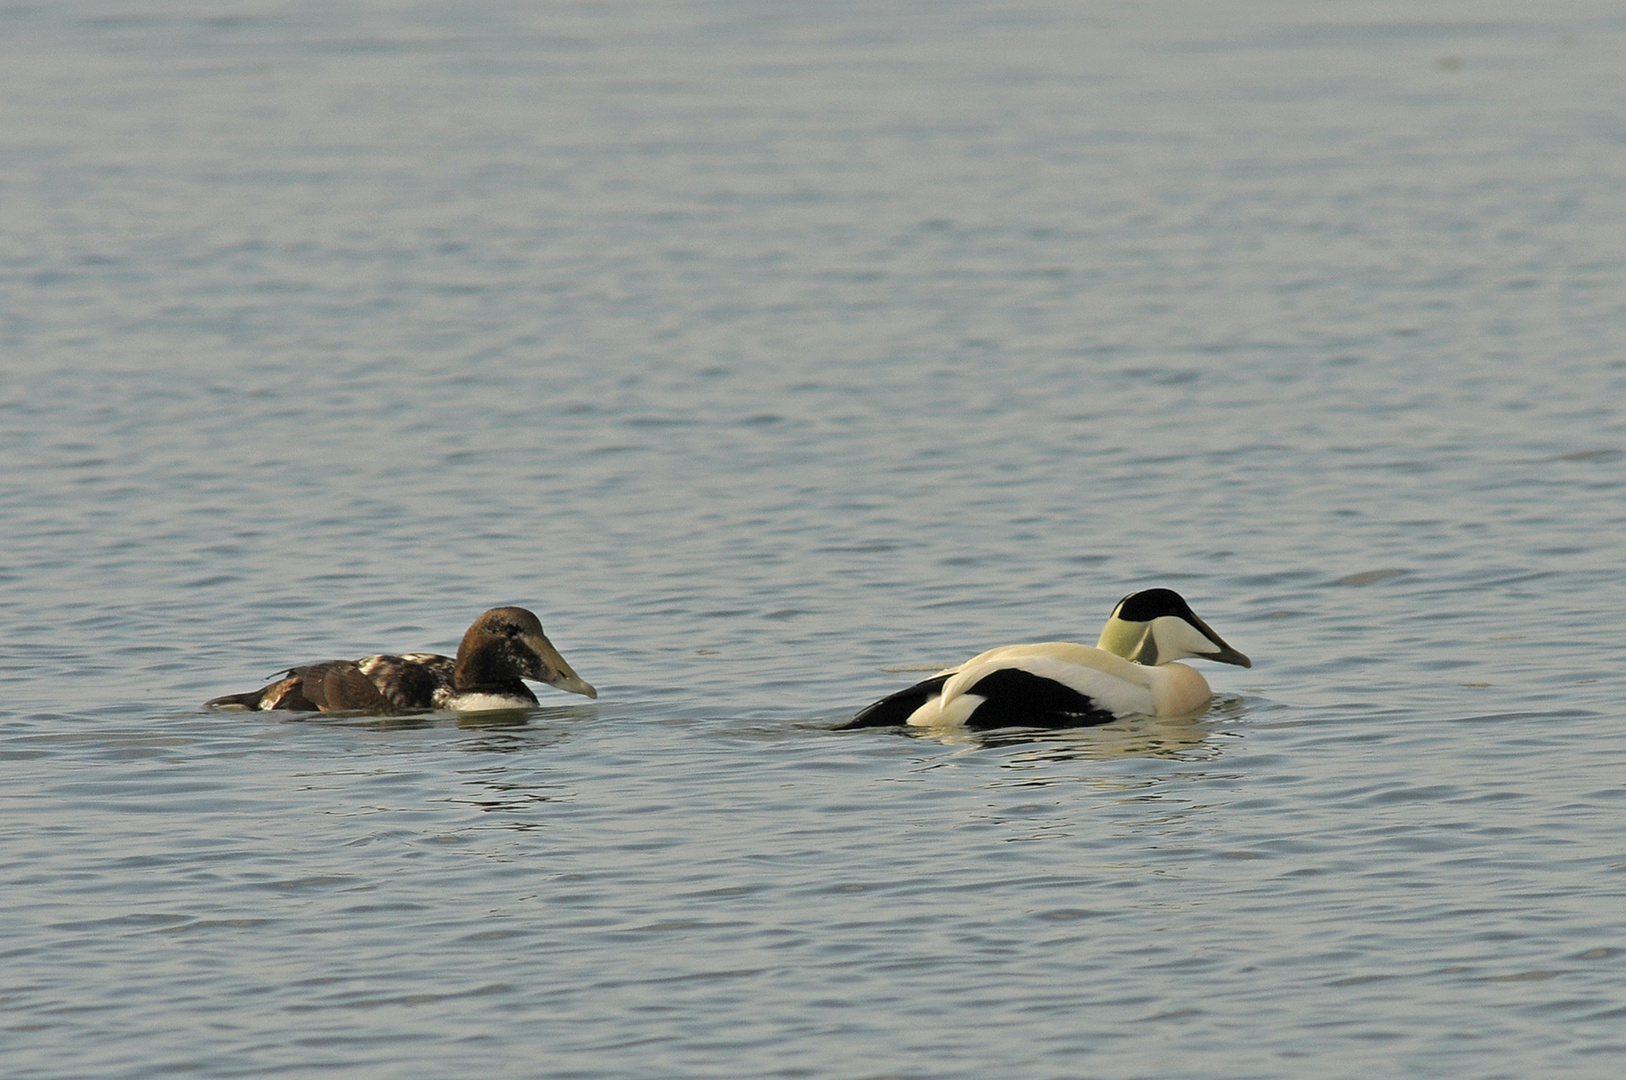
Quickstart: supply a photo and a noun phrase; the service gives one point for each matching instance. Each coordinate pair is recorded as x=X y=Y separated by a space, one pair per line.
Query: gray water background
x=771 y=352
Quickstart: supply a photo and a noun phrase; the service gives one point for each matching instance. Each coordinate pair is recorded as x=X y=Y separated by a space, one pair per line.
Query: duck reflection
x=1172 y=738
x=535 y=722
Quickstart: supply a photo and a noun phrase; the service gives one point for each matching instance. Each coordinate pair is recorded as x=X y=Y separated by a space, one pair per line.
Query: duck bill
x=554 y=671
x=1226 y=654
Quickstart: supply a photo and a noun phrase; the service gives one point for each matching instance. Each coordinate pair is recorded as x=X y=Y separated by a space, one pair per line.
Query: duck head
x=1157 y=626
x=507 y=643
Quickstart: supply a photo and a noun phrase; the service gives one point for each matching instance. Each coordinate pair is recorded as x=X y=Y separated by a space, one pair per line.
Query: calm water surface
x=773 y=353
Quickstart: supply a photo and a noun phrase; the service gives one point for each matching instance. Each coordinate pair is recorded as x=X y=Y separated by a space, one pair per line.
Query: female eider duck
x=1056 y=684
x=503 y=646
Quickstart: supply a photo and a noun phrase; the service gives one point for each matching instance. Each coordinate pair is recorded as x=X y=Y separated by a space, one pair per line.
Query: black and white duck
x=1130 y=671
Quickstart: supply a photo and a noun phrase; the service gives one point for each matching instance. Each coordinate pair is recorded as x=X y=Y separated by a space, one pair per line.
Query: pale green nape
x=1130 y=640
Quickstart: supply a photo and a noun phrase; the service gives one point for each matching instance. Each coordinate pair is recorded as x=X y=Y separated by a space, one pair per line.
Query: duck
x=1132 y=670
x=503 y=647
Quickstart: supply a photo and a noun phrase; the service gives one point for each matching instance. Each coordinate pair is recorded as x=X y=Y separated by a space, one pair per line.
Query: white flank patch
x=934 y=714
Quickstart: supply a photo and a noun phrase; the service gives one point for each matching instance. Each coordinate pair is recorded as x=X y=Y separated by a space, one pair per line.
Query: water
x=770 y=352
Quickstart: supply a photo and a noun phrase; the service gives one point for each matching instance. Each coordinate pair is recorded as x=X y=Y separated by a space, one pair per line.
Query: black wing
x=894 y=710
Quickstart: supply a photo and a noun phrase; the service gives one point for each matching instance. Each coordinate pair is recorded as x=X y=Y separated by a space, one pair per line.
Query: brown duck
x=504 y=647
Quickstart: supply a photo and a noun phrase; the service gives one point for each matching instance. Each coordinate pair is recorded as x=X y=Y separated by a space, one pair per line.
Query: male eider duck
x=503 y=646
x=1054 y=684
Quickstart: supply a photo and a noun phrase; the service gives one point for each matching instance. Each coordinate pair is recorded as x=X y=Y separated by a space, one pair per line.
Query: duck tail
x=894 y=710
x=250 y=701
x=287 y=692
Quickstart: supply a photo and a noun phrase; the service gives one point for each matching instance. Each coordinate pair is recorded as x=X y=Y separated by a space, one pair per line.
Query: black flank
x=894 y=710
x=1017 y=698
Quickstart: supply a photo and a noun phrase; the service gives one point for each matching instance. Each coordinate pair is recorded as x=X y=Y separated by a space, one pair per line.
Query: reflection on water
x=498 y=793
x=541 y=723
x=1179 y=738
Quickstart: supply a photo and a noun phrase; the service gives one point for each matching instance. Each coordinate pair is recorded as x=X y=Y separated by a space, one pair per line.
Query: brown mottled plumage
x=503 y=647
